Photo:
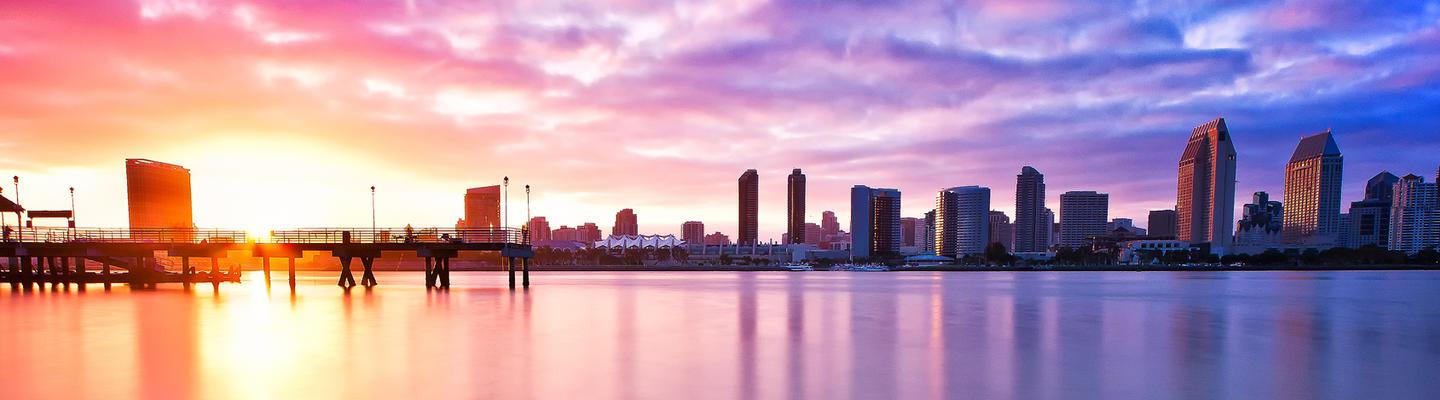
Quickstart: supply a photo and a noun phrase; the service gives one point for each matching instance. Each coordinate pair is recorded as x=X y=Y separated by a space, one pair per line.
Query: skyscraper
x=1161 y=223
x=1082 y=215
x=1370 y=218
x=1205 y=198
x=795 y=206
x=588 y=232
x=1261 y=227
x=539 y=229
x=1032 y=232
x=482 y=207
x=962 y=221
x=565 y=233
x=829 y=225
x=1001 y=230
x=1312 y=192
x=159 y=195
x=1052 y=233
x=749 y=229
x=1414 y=219
x=929 y=242
x=909 y=226
x=813 y=235
x=874 y=221
x=692 y=232
x=626 y=224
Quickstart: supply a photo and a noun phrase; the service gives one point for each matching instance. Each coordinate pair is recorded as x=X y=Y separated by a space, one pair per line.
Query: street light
x=528 y=219
x=372 y=213
x=506 y=216
x=72 y=209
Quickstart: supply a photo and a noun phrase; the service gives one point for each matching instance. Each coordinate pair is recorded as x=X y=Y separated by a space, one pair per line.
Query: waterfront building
x=1312 y=192
x=874 y=221
x=158 y=195
x=1369 y=219
x=716 y=239
x=587 y=232
x=929 y=242
x=565 y=233
x=813 y=234
x=1125 y=225
x=1205 y=198
x=1001 y=230
x=1261 y=227
x=626 y=223
x=749 y=228
x=692 y=232
x=962 y=221
x=1082 y=215
x=1032 y=231
x=908 y=230
x=482 y=207
x=795 y=206
x=1052 y=235
x=1414 y=217
x=1161 y=223
x=636 y=242
x=539 y=229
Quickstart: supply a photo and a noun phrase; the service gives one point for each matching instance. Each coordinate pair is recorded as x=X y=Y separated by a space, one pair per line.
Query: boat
x=872 y=268
x=796 y=267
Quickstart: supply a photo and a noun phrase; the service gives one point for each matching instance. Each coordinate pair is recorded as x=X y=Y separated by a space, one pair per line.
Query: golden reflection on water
x=729 y=335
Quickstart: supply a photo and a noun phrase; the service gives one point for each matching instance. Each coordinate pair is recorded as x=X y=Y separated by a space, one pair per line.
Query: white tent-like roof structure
x=639 y=242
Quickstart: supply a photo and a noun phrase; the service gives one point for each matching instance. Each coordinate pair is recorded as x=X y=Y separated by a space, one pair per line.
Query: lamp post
x=505 y=217
x=19 y=217
x=372 y=213
x=528 y=219
x=72 y=210
x=2 y=218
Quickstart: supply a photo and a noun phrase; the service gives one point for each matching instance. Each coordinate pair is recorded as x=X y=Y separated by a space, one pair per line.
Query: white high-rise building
x=962 y=221
x=1414 y=216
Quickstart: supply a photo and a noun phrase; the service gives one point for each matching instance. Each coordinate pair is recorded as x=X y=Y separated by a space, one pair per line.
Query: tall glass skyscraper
x=1032 y=230
x=1205 y=199
x=795 y=206
x=874 y=221
x=962 y=221
x=1312 y=192
x=749 y=229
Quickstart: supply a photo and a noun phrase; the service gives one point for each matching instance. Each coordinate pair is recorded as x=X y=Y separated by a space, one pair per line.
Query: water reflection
x=740 y=335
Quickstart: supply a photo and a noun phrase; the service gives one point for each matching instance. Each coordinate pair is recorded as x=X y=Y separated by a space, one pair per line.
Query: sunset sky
x=287 y=111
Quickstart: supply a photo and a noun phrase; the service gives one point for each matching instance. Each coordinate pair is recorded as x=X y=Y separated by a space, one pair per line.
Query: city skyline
x=287 y=128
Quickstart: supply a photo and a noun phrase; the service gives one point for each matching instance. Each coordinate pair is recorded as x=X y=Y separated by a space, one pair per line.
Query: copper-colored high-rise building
x=795 y=207
x=749 y=229
x=587 y=232
x=159 y=195
x=1312 y=192
x=482 y=207
x=539 y=229
x=626 y=224
x=692 y=232
x=1205 y=198
x=1032 y=230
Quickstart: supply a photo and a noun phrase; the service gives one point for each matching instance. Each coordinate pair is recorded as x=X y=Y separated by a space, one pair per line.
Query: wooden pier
x=60 y=255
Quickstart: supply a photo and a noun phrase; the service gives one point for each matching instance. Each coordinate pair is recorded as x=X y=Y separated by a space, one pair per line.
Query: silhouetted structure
x=159 y=196
x=1369 y=221
x=1001 y=230
x=482 y=207
x=1205 y=198
x=1261 y=226
x=795 y=206
x=1312 y=192
x=1161 y=223
x=1032 y=230
x=749 y=229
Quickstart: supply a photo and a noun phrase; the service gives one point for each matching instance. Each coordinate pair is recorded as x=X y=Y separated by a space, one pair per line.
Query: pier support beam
x=510 y=266
x=445 y=272
x=291 y=266
x=429 y=274
x=347 y=279
x=105 y=273
x=187 y=274
x=215 y=272
x=265 y=261
x=525 y=272
x=368 y=278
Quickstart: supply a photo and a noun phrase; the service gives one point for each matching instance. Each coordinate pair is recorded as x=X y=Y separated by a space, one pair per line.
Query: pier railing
x=400 y=235
x=124 y=235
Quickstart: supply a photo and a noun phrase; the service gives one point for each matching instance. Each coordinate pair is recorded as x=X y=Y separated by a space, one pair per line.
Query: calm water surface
x=1342 y=335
